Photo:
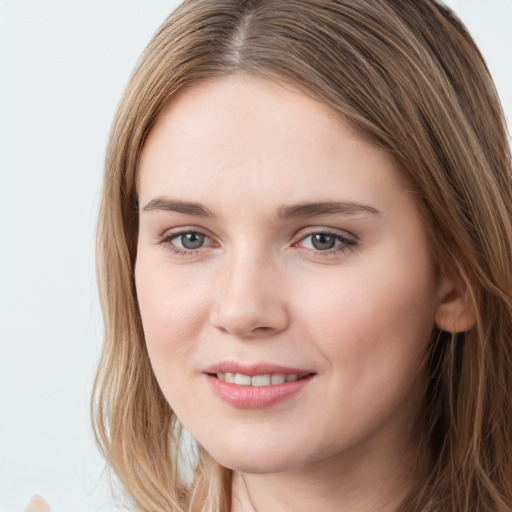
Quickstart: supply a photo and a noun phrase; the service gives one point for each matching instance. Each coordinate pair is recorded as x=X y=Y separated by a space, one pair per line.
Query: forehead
x=245 y=135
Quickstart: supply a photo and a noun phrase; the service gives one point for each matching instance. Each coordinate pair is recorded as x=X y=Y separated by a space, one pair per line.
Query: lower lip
x=255 y=397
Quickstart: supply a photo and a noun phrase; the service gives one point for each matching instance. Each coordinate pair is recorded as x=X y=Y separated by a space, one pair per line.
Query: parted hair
x=406 y=76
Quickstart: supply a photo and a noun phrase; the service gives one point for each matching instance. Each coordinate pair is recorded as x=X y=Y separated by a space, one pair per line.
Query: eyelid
x=312 y=230
x=167 y=237
x=181 y=230
x=348 y=241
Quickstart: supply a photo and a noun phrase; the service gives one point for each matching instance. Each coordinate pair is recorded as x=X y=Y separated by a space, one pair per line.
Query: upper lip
x=253 y=369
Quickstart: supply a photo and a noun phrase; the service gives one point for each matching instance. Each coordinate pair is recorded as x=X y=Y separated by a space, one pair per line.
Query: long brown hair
x=406 y=75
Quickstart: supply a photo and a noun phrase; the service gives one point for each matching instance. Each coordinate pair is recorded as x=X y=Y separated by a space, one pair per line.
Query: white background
x=63 y=67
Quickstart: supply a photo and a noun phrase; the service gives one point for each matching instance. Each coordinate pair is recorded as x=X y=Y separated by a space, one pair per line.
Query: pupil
x=322 y=242
x=192 y=240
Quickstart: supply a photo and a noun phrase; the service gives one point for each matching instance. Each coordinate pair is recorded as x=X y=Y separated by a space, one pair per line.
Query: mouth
x=241 y=379
x=256 y=386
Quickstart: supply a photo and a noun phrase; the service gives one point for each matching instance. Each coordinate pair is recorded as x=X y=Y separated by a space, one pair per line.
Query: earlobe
x=455 y=313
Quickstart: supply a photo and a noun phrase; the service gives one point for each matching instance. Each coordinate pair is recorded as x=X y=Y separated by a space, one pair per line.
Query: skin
x=258 y=290
x=37 y=504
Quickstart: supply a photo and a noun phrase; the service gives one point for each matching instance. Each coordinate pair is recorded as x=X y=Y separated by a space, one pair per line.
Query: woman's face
x=279 y=250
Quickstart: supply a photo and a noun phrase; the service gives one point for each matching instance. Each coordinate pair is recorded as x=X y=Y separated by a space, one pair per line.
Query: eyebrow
x=174 y=205
x=306 y=209
x=325 y=208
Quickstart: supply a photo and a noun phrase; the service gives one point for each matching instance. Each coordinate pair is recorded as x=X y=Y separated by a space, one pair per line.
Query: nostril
x=249 y=315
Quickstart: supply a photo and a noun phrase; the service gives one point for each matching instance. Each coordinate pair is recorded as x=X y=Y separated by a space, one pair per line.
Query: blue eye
x=190 y=240
x=323 y=241
x=326 y=242
x=186 y=243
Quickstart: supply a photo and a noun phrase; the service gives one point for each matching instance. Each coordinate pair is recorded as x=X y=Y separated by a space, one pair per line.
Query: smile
x=256 y=386
x=241 y=379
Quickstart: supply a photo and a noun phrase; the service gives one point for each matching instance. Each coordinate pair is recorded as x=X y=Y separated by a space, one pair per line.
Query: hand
x=37 y=504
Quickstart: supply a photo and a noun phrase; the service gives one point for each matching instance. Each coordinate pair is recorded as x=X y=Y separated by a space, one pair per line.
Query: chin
x=255 y=459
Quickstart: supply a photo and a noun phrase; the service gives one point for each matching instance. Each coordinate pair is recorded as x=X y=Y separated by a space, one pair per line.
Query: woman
x=304 y=255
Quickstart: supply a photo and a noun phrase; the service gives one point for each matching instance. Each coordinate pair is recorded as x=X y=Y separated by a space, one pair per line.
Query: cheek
x=173 y=308
x=372 y=318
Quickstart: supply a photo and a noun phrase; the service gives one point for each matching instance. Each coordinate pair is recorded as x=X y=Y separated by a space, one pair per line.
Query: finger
x=37 y=504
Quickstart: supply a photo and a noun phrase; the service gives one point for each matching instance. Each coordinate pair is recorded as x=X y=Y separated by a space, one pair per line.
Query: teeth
x=242 y=380
x=257 y=380
x=278 y=378
x=261 y=380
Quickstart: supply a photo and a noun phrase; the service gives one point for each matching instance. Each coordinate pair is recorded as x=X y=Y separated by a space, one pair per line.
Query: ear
x=455 y=312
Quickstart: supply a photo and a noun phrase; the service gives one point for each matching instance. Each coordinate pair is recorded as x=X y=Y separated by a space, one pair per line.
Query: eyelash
x=345 y=244
x=167 y=241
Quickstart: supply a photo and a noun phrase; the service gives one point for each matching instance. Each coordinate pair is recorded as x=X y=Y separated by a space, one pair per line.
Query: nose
x=250 y=300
